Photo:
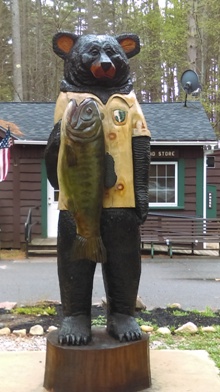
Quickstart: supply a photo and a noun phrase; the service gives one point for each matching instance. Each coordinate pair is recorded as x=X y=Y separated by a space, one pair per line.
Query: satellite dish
x=190 y=83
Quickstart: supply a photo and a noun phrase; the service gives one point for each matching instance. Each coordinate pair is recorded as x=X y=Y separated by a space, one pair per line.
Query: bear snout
x=103 y=69
x=106 y=65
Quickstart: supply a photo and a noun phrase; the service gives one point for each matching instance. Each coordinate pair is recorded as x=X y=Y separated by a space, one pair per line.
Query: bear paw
x=75 y=330
x=123 y=327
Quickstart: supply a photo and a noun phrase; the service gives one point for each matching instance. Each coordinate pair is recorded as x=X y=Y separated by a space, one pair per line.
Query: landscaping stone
x=20 y=332
x=146 y=328
x=36 y=330
x=51 y=328
x=188 y=327
x=104 y=302
x=208 y=329
x=164 y=331
x=5 y=331
x=8 y=305
x=140 y=305
x=175 y=305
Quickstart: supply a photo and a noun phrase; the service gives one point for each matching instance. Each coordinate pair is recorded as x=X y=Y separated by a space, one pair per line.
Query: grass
x=41 y=310
x=208 y=312
x=99 y=321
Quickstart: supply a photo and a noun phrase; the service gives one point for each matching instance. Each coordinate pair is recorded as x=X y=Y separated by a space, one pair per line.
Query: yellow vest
x=123 y=119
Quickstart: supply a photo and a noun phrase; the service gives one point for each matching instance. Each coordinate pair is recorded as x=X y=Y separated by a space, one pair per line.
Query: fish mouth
x=83 y=121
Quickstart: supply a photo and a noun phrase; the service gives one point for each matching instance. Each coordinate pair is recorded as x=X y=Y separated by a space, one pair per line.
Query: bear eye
x=109 y=51
x=94 y=52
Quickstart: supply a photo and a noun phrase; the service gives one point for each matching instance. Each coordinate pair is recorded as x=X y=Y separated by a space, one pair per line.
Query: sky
x=162 y=3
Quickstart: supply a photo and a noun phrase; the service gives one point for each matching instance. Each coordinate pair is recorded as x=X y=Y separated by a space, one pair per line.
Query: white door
x=52 y=210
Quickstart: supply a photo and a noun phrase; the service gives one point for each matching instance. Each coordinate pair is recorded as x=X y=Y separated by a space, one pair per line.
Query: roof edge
x=31 y=142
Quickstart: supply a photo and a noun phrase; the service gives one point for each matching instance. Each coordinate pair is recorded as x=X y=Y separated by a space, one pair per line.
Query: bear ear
x=130 y=43
x=63 y=42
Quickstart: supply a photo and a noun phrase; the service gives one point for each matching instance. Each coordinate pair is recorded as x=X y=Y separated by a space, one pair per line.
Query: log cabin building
x=184 y=176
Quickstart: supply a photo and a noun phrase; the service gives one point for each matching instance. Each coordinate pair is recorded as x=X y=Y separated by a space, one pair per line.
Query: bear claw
x=123 y=327
x=75 y=330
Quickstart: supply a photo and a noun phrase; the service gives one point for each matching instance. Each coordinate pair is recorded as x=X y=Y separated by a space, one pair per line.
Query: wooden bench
x=179 y=232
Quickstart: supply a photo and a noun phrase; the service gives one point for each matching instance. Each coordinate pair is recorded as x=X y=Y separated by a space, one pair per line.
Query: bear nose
x=106 y=65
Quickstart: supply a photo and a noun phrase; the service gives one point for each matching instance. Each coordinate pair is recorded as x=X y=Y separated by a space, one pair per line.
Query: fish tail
x=89 y=248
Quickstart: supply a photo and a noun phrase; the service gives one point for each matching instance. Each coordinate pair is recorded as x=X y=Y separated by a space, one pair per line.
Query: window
x=210 y=161
x=56 y=194
x=163 y=184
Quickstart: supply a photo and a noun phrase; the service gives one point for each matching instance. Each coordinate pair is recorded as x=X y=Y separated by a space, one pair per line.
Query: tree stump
x=104 y=365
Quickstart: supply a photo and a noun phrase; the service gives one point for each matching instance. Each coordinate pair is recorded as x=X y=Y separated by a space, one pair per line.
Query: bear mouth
x=102 y=71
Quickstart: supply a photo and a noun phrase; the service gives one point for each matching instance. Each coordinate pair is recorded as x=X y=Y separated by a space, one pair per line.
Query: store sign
x=164 y=154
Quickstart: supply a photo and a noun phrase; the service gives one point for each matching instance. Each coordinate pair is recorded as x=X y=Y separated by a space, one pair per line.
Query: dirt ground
x=12 y=254
x=158 y=316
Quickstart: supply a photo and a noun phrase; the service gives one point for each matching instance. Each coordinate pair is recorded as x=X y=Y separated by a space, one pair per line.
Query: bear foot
x=123 y=327
x=75 y=330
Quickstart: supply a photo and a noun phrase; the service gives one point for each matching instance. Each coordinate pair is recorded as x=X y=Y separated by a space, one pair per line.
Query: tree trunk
x=192 y=33
x=16 y=40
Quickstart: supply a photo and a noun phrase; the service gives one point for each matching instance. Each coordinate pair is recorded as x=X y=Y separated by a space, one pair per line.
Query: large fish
x=81 y=176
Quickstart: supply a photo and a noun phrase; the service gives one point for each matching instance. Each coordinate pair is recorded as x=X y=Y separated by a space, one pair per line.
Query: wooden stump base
x=104 y=365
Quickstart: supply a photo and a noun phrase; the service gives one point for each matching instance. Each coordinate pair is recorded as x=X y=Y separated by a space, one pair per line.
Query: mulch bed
x=160 y=317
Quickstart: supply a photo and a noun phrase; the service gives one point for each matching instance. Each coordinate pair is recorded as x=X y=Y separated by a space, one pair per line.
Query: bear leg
x=121 y=272
x=76 y=284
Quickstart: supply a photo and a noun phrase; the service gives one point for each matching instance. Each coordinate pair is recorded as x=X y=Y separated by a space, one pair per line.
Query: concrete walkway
x=171 y=371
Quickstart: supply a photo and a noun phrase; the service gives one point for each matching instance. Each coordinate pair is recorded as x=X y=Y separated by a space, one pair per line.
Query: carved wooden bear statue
x=96 y=67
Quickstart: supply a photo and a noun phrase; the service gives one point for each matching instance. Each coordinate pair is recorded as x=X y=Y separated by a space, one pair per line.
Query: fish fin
x=70 y=156
x=110 y=175
x=89 y=248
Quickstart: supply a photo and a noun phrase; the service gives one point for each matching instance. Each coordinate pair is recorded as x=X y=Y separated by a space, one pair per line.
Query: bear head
x=96 y=60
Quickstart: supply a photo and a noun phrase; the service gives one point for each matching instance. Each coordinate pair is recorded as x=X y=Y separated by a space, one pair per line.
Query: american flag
x=5 y=145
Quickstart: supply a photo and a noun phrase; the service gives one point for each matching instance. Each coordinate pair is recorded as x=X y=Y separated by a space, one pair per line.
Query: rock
x=146 y=328
x=104 y=302
x=5 y=331
x=188 y=327
x=175 y=305
x=164 y=330
x=140 y=305
x=208 y=329
x=36 y=330
x=20 y=332
x=8 y=305
x=51 y=328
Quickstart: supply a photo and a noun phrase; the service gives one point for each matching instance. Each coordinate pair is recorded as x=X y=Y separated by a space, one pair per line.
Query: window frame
x=176 y=188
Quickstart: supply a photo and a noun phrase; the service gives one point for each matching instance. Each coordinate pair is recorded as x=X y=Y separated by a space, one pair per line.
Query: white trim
x=184 y=143
x=205 y=188
x=204 y=184
x=30 y=142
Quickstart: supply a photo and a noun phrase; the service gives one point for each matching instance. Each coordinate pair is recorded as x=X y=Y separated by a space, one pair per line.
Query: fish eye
x=89 y=110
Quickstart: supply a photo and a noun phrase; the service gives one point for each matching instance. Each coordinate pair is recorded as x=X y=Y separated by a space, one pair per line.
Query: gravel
x=15 y=343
